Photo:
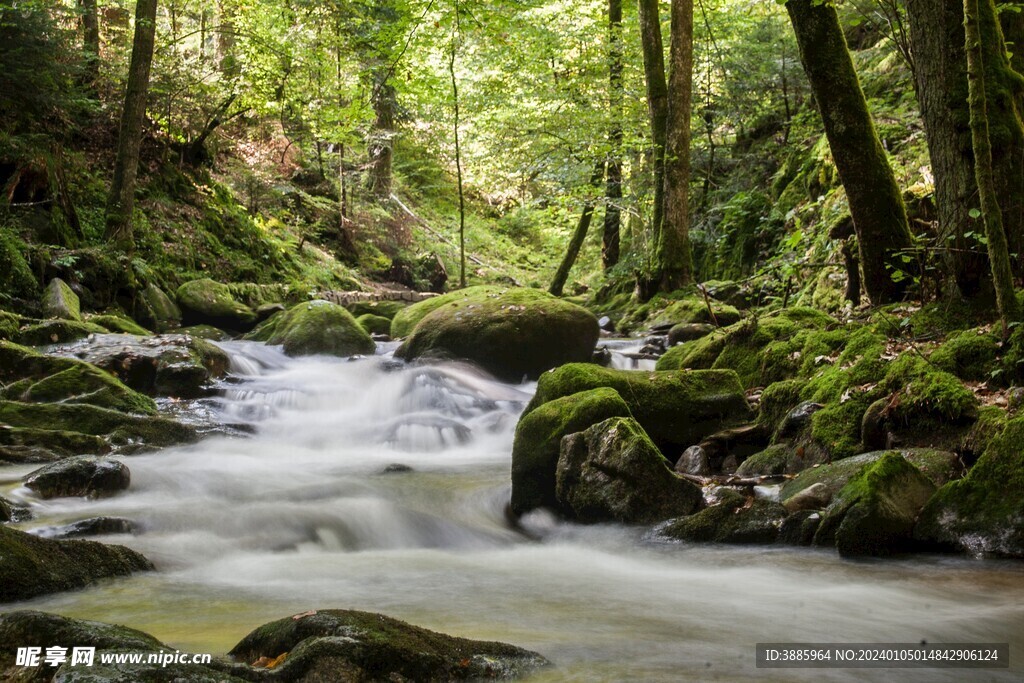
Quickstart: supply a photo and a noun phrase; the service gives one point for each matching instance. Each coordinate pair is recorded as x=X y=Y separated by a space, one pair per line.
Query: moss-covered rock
x=374 y=324
x=875 y=512
x=384 y=309
x=205 y=302
x=330 y=645
x=79 y=476
x=405 y=320
x=939 y=466
x=59 y=301
x=613 y=472
x=31 y=566
x=16 y=278
x=57 y=332
x=129 y=432
x=538 y=440
x=693 y=309
x=676 y=408
x=315 y=327
x=760 y=350
x=778 y=458
x=117 y=324
x=983 y=513
x=512 y=333
x=685 y=332
x=30 y=445
x=10 y=324
x=167 y=365
x=37 y=378
x=207 y=332
x=734 y=519
x=969 y=355
x=158 y=310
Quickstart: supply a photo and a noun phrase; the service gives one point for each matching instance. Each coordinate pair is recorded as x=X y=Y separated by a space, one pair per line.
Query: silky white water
x=309 y=512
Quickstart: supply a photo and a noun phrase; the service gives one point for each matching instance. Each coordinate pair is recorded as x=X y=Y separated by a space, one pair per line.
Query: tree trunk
x=613 y=187
x=381 y=138
x=456 y=36
x=580 y=234
x=876 y=205
x=657 y=101
x=999 y=255
x=675 y=261
x=226 y=59
x=937 y=35
x=121 y=201
x=90 y=40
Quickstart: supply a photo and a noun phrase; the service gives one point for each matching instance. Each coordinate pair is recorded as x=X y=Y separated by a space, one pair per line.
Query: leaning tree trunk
x=576 y=241
x=121 y=200
x=657 y=100
x=879 y=216
x=999 y=255
x=613 y=184
x=675 y=261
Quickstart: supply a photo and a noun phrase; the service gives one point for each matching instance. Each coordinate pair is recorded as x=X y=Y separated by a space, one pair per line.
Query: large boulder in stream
x=676 y=408
x=538 y=442
x=333 y=645
x=79 y=476
x=206 y=302
x=612 y=472
x=511 y=333
x=315 y=327
x=875 y=513
x=983 y=513
x=178 y=365
x=31 y=566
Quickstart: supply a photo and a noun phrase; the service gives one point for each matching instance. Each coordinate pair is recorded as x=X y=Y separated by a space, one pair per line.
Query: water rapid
x=374 y=485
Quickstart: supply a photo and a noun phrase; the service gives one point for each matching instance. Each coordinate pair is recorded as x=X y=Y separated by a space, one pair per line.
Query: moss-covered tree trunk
x=937 y=34
x=999 y=255
x=380 y=148
x=572 y=251
x=613 y=186
x=657 y=100
x=876 y=205
x=675 y=261
x=121 y=200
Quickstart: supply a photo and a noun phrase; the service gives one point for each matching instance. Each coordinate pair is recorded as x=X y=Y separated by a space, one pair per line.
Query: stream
x=370 y=484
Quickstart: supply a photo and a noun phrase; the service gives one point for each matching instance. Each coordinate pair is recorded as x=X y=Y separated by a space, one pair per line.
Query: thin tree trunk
x=90 y=40
x=998 y=252
x=613 y=188
x=879 y=216
x=121 y=201
x=382 y=136
x=675 y=260
x=580 y=234
x=458 y=153
x=657 y=101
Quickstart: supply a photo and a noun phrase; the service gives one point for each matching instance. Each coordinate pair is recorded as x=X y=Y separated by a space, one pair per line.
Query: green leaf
x=974 y=213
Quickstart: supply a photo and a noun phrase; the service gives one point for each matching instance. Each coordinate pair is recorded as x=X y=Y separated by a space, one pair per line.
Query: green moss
x=926 y=391
x=27 y=444
x=58 y=332
x=539 y=435
x=776 y=459
x=733 y=520
x=406 y=319
x=81 y=383
x=9 y=326
x=777 y=400
x=207 y=302
x=59 y=301
x=676 y=408
x=386 y=309
x=512 y=333
x=693 y=309
x=969 y=355
x=984 y=511
x=16 y=278
x=118 y=324
x=374 y=324
x=315 y=327
x=35 y=566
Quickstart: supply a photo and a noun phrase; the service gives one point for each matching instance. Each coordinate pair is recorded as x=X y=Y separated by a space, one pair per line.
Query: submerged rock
x=676 y=408
x=31 y=566
x=983 y=513
x=206 y=302
x=333 y=645
x=80 y=476
x=538 y=439
x=513 y=333
x=315 y=327
x=875 y=512
x=613 y=472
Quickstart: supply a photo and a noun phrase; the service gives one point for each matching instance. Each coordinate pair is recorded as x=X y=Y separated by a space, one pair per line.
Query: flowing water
x=312 y=511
